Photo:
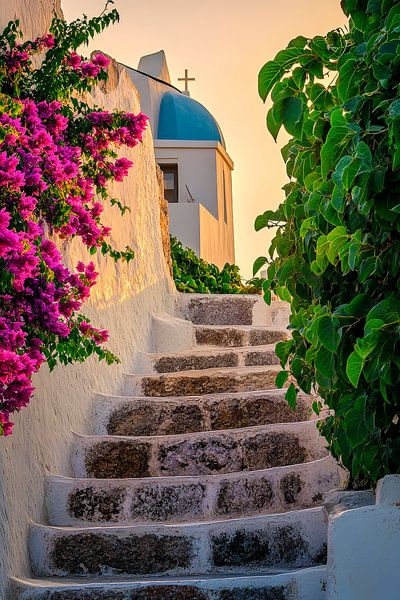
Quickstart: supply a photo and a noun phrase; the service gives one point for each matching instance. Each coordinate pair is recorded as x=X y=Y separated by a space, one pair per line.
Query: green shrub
x=336 y=253
x=195 y=275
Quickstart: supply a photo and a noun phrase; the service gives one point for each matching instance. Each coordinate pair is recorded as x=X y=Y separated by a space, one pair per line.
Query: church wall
x=227 y=242
x=201 y=166
x=196 y=169
x=214 y=238
x=184 y=222
x=123 y=301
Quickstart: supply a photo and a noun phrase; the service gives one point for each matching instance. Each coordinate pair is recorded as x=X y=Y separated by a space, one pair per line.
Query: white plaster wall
x=34 y=15
x=196 y=169
x=124 y=301
x=151 y=93
x=216 y=240
x=201 y=166
x=364 y=548
x=184 y=224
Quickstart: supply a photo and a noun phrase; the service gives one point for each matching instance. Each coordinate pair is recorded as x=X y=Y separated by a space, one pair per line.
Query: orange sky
x=224 y=43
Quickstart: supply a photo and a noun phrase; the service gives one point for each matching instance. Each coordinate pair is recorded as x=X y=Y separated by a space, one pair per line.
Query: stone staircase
x=197 y=482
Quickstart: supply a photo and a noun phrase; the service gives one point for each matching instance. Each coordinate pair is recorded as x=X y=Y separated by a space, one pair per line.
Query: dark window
x=170 y=182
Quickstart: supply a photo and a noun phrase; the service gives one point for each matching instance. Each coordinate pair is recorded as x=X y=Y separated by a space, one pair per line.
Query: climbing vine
x=336 y=253
x=56 y=156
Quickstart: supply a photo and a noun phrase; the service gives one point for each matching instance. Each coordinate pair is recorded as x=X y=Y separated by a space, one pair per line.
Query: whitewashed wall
x=123 y=301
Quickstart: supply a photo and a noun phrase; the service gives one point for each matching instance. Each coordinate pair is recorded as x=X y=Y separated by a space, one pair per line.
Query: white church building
x=190 y=150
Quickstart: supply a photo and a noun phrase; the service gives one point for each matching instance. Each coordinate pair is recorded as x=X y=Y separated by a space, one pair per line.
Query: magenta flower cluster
x=51 y=167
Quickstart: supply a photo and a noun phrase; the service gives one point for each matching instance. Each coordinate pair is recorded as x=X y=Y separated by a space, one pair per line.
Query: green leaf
x=386 y=311
x=359 y=306
x=270 y=73
x=281 y=379
x=349 y=78
x=364 y=346
x=336 y=143
x=298 y=42
x=291 y=396
x=299 y=76
x=290 y=111
x=325 y=363
x=359 y=422
x=290 y=56
x=306 y=225
x=263 y=220
x=354 y=367
x=327 y=333
x=393 y=18
x=282 y=350
x=274 y=122
x=373 y=325
x=259 y=263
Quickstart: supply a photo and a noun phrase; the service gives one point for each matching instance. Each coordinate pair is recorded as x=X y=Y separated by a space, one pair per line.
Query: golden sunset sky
x=223 y=43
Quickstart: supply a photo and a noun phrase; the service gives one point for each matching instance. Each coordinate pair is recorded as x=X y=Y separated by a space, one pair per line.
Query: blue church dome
x=182 y=118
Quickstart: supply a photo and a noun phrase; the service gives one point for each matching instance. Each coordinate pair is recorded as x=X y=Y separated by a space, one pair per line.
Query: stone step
x=125 y=415
x=76 y=502
x=202 y=453
x=244 y=335
x=210 y=358
x=207 y=381
x=254 y=545
x=231 y=309
x=301 y=584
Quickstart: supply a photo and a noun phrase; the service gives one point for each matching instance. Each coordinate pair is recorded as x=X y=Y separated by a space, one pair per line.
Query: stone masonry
x=197 y=482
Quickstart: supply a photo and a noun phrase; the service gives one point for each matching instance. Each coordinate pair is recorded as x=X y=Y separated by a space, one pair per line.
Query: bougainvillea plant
x=57 y=154
x=336 y=253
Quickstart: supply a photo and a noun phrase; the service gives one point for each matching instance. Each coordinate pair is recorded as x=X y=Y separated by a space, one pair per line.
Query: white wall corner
x=171 y=334
x=388 y=491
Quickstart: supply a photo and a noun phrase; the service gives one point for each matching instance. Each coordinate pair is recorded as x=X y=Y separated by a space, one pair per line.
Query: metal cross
x=186 y=79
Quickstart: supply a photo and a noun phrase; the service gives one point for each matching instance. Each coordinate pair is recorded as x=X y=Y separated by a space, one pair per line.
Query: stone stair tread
x=231 y=336
x=309 y=584
x=273 y=392
x=244 y=327
x=210 y=372
x=204 y=350
x=289 y=540
x=51 y=582
x=292 y=426
x=206 y=357
x=203 y=381
x=168 y=415
x=244 y=449
x=176 y=499
x=199 y=526
x=224 y=308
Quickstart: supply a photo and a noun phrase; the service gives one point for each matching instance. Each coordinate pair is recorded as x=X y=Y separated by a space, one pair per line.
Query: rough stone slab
x=222 y=309
x=285 y=541
x=74 y=502
x=336 y=501
x=126 y=415
x=230 y=336
x=210 y=358
x=209 y=381
x=303 y=584
x=201 y=453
